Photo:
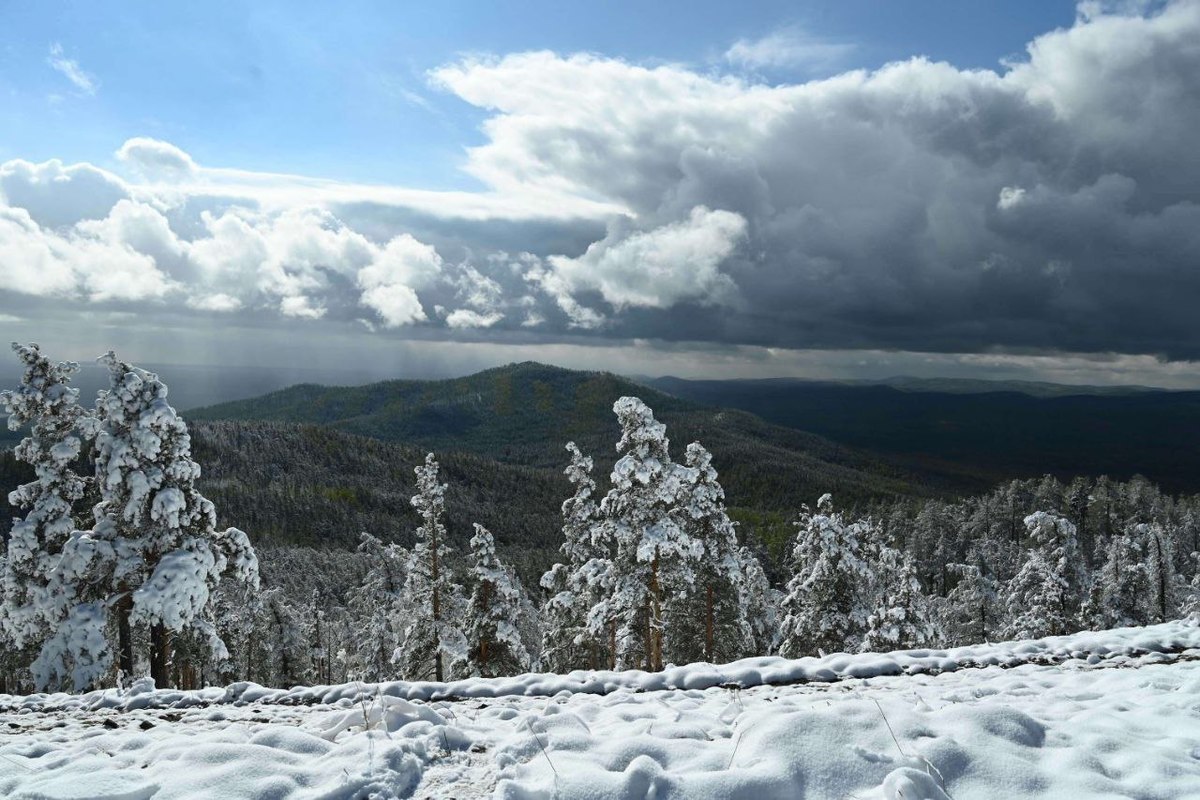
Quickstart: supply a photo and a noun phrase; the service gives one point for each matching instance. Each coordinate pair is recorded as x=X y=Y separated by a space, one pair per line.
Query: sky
x=821 y=189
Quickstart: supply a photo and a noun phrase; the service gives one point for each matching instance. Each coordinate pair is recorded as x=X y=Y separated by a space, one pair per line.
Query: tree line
x=117 y=568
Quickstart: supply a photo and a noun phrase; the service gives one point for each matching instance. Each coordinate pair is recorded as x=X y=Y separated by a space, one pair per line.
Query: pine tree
x=1191 y=599
x=280 y=651
x=973 y=613
x=652 y=554
x=431 y=602
x=1120 y=590
x=37 y=605
x=902 y=618
x=572 y=636
x=708 y=619
x=1160 y=558
x=826 y=604
x=375 y=605
x=154 y=548
x=494 y=645
x=760 y=601
x=1043 y=597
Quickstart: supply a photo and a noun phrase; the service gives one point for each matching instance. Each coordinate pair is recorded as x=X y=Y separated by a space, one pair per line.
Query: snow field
x=1119 y=717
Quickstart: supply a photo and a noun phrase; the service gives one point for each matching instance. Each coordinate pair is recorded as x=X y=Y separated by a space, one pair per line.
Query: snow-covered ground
x=1108 y=714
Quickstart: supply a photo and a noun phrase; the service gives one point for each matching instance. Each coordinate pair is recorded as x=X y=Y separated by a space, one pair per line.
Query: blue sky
x=341 y=90
x=824 y=189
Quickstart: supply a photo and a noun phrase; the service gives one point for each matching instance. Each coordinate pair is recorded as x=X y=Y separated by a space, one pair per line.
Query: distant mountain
x=979 y=386
x=525 y=413
x=1014 y=430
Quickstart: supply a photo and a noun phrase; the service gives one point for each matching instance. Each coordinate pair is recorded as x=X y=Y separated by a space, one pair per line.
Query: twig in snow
x=928 y=764
x=737 y=741
x=546 y=754
x=18 y=763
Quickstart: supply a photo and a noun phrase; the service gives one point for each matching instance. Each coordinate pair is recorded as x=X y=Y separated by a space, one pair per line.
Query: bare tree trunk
x=124 y=635
x=437 y=610
x=612 y=644
x=486 y=596
x=708 y=626
x=160 y=656
x=654 y=621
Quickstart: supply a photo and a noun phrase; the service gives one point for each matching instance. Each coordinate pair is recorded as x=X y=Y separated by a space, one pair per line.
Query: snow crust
x=1097 y=714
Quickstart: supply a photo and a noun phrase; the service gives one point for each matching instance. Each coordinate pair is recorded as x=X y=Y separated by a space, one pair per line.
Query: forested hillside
x=1001 y=430
x=523 y=413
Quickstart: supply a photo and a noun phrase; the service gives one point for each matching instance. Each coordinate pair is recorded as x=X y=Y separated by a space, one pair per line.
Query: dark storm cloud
x=919 y=207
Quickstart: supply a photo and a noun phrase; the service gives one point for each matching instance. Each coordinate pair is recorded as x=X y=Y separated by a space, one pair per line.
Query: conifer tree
x=432 y=603
x=375 y=605
x=761 y=603
x=973 y=612
x=155 y=546
x=825 y=606
x=36 y=605
x=1043 y=597
x=1160 y=564
x=902 y=618
x=709 y=621
x=1120 y=592
x=494 y=645
x=652 y=554
x=573 y=636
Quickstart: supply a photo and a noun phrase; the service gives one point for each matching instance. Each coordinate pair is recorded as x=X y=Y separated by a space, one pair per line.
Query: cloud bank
x=1052 y=205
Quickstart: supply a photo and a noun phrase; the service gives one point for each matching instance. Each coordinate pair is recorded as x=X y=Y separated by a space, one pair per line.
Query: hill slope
x=525 y=413
x=999 y=433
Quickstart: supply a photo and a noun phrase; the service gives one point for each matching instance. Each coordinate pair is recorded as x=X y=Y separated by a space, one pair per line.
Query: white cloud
x=661 y=267
x=297 y=305
x=787 y=47
x=388 y=281
x=1010 y=197
x=57 y=195
x=70 y=69
x=395 y=303
x=469 y=318
x=157 y=160
x=215 y=302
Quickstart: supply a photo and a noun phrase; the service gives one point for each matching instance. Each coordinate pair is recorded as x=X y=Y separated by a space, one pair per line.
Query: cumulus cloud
x=469 y=318
x=919 y=206
x=388 y=281
x=661 y=267
x=157 y=160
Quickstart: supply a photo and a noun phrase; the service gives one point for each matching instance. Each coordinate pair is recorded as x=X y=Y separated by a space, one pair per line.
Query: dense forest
x=371 y=560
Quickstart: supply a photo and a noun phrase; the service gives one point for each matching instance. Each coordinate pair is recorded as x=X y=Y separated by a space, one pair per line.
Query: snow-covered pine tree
x=571 y=636
x=1120 y=592
x=1044 y=596
x=494 y=645
x=652 y=554
x=432 y=603
x=973 y=613
x=1191 y=595
x=761 y=603
x=36 y=605
x=710 y=621
x=279 y=652
x=155 y=549
x=825 y=606
x=902 y=618
x=375 y=606
x=1160 y=564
